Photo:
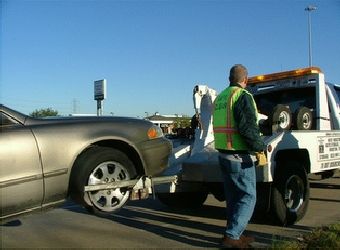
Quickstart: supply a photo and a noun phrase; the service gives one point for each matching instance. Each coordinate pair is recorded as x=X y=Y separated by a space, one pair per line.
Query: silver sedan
x=44 y=161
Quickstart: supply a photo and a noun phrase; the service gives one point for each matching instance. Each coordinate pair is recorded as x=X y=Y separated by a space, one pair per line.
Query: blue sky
x=152 y=53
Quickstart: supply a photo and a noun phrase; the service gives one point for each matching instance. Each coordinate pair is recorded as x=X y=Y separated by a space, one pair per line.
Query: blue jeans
x=240 y=191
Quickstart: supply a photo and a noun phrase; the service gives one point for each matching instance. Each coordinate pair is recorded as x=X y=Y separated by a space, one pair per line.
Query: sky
x=153 y=53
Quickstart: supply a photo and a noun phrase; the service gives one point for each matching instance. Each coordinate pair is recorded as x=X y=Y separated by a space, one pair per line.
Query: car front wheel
x=101 y=165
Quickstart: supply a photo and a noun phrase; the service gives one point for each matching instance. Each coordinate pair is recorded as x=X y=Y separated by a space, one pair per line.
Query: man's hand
x=261 y=159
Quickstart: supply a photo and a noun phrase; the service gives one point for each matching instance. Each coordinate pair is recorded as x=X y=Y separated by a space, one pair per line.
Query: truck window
x=294 y=98
x=337 y=89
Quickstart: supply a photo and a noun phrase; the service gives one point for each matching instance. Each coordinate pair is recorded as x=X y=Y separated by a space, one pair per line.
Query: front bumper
x=155 y=155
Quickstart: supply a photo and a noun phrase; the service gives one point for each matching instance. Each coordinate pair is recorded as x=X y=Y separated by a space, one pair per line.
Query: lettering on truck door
x=329 y=151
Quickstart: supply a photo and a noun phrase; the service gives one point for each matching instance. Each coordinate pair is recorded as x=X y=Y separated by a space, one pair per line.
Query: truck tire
x=96 y=166
x=290 y=193
x=304 y=119
x=183 y=199
x=281 y=118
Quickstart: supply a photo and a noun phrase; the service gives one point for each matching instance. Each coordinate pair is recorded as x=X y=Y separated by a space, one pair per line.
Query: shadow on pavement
x=328 y=200
x=177 y=228
x=324 y=185
x=178 y=225
x=11 y=223
x=188 y=226
x=151 y=216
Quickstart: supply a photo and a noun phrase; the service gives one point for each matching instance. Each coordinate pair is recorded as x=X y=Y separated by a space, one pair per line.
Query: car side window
x=5 y=120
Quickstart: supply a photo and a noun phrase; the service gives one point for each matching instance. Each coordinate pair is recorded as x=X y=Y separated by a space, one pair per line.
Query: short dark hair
x=237 y=73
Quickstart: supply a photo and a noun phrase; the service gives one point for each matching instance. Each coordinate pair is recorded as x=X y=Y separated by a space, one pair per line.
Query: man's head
x=238 y=75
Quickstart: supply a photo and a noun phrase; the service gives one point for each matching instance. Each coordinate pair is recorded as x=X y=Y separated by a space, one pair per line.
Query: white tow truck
x=300 y=123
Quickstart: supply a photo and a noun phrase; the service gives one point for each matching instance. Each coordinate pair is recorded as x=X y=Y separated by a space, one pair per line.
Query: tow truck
x=300 y=124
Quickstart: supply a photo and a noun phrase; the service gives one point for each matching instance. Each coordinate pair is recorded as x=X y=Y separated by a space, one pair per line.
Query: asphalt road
x=150 y=224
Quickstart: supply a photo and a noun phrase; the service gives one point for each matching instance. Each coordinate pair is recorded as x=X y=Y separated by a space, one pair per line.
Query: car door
x=21 y=179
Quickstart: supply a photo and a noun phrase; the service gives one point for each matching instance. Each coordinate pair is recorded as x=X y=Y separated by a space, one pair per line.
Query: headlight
x=155 y=132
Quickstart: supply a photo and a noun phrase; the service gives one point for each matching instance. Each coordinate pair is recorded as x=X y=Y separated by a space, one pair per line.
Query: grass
x=320 y=238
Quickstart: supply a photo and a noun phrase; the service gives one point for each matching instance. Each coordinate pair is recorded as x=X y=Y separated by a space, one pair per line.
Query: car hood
x=82 y=119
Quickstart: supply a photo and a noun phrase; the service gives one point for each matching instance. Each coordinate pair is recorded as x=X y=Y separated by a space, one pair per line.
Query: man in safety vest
x=238 y=140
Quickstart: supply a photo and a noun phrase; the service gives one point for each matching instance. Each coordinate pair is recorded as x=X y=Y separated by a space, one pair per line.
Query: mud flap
x=263 y=194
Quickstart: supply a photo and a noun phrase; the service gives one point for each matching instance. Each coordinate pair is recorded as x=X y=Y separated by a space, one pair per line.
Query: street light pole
x=310 y=8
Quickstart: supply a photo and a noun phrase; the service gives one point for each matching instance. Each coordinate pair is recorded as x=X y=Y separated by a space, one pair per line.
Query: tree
x=182 y=122
x=44 y=112
x=182 y=127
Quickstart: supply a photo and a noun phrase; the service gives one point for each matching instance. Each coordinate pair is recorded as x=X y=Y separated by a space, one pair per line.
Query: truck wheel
x=281 y=118
x=183 y=199
x=290 y=193
x=304 y=119
x=96 y=166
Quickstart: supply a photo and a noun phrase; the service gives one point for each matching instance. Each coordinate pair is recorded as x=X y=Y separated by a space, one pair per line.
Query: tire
x=183 y=199
x=101 y=165
x=290 y=193
x=304 y=119
x=281 y=118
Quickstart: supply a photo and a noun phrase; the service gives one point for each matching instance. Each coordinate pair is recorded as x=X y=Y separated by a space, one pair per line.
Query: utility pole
x=310 y=8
